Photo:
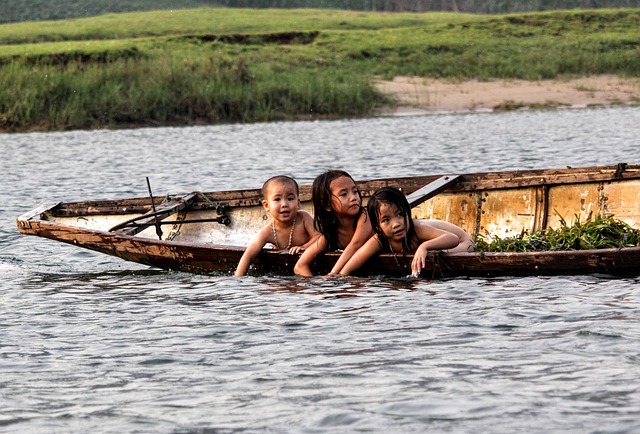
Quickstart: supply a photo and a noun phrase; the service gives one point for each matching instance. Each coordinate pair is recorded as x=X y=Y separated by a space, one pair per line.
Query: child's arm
x=466 y=243
x=307 y=222
x=364 y=253
x=252 y=251
x=303 y=266
x=362 y=234
x=431 y=239
x=306 y=245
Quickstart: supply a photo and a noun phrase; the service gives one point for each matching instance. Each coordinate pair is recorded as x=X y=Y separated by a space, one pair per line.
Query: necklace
x=395 y=256
x=275 y=235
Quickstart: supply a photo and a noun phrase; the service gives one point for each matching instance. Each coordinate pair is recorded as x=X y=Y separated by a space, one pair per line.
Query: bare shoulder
x=364 y=220
x=305 y=215
x=307 y=221
x=264 y=235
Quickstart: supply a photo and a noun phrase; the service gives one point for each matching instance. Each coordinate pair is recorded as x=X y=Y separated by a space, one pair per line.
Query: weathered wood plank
x=431 y=189
x=39 y=210
x=532 y=178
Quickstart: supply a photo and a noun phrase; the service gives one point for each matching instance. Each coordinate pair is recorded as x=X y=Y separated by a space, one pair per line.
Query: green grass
x=233 y=65
x=214 y=20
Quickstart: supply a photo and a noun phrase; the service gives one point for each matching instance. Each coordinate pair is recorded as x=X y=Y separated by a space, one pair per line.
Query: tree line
x=37 y=10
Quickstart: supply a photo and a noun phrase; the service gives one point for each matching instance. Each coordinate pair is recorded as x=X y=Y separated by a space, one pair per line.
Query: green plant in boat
x=594 y=233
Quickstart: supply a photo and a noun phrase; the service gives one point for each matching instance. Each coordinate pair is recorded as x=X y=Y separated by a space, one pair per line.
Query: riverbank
x=416 y=95
x=214 y=66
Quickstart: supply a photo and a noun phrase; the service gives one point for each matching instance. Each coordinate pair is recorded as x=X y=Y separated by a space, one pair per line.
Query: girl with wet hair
x=397 y=232
x=339 y=217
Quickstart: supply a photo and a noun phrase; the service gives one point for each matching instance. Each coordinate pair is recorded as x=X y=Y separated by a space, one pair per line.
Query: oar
x=221 y=220
x=153 y=206
x=433 y=188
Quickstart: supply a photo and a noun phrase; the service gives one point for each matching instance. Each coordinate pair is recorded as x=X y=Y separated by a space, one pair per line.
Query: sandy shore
x=419 y=95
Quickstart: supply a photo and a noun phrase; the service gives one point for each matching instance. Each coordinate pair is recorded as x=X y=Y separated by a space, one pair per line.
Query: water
x=90 y=343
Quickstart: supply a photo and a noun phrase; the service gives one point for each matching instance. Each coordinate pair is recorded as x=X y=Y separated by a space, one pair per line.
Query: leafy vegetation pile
x=597 y=233
x=215 y=65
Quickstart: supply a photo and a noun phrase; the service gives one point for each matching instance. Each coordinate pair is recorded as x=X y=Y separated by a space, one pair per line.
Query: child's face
x=393 y=222
x=345 y=199
x=281 y=201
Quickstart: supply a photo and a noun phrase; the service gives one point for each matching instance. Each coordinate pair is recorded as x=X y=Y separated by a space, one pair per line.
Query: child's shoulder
x=263 y=236
x=304 y=216
x=265 y=231
x=363 y=218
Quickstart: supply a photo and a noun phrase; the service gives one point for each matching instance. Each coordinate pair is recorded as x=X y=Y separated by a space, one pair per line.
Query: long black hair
x=392 y=196
x=324 y=218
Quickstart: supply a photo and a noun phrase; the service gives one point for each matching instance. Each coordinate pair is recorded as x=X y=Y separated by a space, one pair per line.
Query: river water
x=90 y=343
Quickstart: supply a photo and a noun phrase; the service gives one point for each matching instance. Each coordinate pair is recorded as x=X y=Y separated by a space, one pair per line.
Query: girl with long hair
x=339 y=217
x=397 y=232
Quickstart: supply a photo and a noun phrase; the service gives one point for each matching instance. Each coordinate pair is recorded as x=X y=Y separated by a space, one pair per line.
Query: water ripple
x=92 y=343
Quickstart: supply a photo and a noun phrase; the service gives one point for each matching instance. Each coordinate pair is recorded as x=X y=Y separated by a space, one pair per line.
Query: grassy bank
x=205 y=66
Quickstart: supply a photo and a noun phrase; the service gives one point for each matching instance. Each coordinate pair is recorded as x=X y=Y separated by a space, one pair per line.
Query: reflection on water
x=93 y=343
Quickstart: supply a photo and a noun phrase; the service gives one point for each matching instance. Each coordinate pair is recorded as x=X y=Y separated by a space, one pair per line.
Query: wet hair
x=392 y=196
x=279 y=179
x=324 y=218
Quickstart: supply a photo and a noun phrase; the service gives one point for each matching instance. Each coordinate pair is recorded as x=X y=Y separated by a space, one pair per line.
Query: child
x=291 y=229
x=396 y=232
x=340 y=219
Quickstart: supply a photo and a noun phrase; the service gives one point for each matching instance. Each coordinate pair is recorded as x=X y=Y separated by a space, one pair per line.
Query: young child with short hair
x=290 y=228
x=397 y=232
x=340 y=219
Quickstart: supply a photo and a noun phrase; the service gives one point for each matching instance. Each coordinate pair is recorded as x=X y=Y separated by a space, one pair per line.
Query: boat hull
x=207 y=258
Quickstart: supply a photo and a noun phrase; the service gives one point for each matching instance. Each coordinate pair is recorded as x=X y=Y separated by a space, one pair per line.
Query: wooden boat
x=206 y=232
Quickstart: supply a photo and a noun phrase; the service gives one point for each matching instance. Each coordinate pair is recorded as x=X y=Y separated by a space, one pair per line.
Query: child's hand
x=296 y=249
x=332 y=276
x=419 y=259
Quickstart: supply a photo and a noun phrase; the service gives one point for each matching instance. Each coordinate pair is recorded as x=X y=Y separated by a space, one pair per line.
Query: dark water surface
x=90 y=343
